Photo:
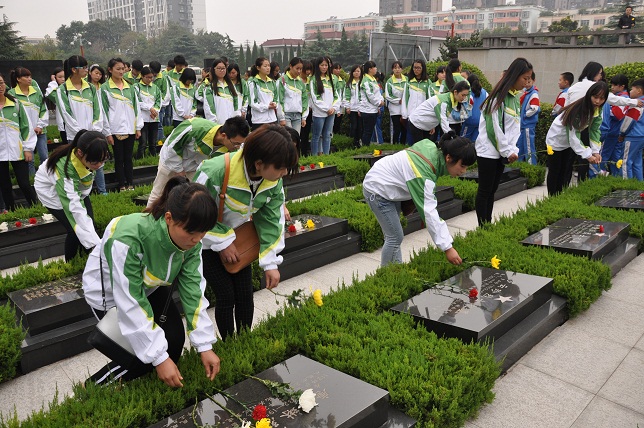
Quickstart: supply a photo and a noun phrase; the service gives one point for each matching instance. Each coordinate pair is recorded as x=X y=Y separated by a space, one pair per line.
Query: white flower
x=3 y=226
x=307 y=401
x=47 y=217
x=245 y=424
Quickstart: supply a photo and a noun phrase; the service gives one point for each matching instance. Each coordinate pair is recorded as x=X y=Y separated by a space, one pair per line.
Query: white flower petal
x=307 y=401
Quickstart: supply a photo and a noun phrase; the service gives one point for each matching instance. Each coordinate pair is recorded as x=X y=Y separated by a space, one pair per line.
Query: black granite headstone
x=371 y=158
x=343 y=401
x=20 y=232
x=502 y=300
x=623 y=199
x=298 y=235
x=589 y=238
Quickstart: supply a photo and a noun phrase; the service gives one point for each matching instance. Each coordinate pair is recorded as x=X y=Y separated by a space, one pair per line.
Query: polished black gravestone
x=503 y=299
x=343 y=401
x=511 y=182
x=310 y=181
x=30 y=242
x=623 y=199
x=448 y=207
x=371 y=158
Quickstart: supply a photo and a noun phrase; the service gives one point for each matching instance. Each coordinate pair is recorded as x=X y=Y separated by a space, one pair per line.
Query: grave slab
x=343 y=401
x=325 y=228
x=32 y=251
x=623 y=200
x=503 y=299
x=581 y=237
x=309 y=174
x=27 y=232
x=509 y=173
x=371 y=158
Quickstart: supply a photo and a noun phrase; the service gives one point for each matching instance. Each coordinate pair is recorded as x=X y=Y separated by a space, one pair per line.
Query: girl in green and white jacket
x=220 y=98
x=150 y=97
x=293 y=96
x=182 y=97
x=262 y=92
x=419 y=89
x=394 y=93
x=371 y=100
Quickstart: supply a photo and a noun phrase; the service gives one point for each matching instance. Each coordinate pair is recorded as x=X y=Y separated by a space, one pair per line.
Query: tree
x=242 y=58
x=449 y=49
x=107 y=33
x=254 y=52
x=67 y=36
x=215 y=45
x=390 y=26
x=11 y=43
x=406 y=29
x=45 y=49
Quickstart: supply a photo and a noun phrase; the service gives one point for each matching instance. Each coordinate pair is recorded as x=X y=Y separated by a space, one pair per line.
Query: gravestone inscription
x=623 y=199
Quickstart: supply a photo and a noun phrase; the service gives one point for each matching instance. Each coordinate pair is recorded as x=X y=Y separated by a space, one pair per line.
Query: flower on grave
x=32 y=220
x=48 y=141
x=307 y=401
x=264 y=423
x=259 y=412
x=642 y=195
x=56 y=140
x=310 y=224
x=245 y=424
x=47 y=217
x=312 y=166
x=302 y=168
x=317 y=297
x=281 y=390
x=377 y=152
x=619 y=163
x=292 y=228
x=18 y=224
x=550 y=150
x=321 y=164
x=474 y=293
x=4 y=227
x=496 y=262
x=601 y=228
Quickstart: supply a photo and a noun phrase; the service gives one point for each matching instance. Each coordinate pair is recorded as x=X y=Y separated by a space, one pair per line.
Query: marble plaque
x=501 y=300
x=298 y=235
x=623 y=199
x=589 y=238
x=343 y=401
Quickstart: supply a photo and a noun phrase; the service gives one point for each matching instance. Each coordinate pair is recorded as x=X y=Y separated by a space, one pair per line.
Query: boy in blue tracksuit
x=530 y=108
x=632 y=133
x=612 y=150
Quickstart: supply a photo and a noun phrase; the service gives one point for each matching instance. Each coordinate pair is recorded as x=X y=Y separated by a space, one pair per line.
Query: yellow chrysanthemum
x=317 y=297
x=377 y=152
x=550 y=151
x=264 y=423
x=496 y=262
x=310 y=224
x=321 y=164
x=619 y=163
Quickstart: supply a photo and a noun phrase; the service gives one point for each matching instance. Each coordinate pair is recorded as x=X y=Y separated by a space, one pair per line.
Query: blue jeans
x=41 y=149
x=99 y=180
x=294 y=120
x=633 y=153
x=388 y=215
x=525 y=143
x=612 y=151
x=321 y=129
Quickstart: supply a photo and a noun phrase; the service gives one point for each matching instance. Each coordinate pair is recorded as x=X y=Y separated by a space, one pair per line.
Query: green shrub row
x=11 y=336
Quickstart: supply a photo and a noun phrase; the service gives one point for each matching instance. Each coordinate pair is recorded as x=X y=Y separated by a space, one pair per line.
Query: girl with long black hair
x=325 y=103
x=220 y=98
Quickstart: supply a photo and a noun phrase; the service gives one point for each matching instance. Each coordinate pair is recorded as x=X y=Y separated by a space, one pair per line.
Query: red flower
x=641 y=195
x=292 y=228
x=18 y=224
x=259 y=412
x=302 y=168
x=601 y=228
x=32 y=220
x=312 y=166
x=474 y=293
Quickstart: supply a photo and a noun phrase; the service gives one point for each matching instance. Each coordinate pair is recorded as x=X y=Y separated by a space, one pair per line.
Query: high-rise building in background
x=397 y=7
x=151 y=16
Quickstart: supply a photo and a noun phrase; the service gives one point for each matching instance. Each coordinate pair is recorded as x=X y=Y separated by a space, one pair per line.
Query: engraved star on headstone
x=504 y=299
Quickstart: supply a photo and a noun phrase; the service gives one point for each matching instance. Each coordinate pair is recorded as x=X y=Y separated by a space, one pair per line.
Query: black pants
x=417 y=134
x=337 y=122
x=21 y=171
x=583 y=167
x=72 y=244
x=368 y=125
x=148 y=139
x=233 y=294
x=490 y=172
x=305 y=136
x=123 y=160
x=399 y=131
x=355 y=128
x=176 y=123
x=174 y=334
x=557 y=163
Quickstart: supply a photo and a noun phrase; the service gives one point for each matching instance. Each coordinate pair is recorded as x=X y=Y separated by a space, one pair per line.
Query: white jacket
x=322 y=103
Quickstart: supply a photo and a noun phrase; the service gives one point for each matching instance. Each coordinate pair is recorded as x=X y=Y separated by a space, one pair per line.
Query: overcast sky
x=255 y=19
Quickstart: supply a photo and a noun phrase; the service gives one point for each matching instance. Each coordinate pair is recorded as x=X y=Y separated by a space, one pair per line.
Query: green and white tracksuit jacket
x=370 y=95
x=50 y=94
x=405 y=175
x=16 y=132
x=129 y=78
x=139 y=256
x=183 y=101
x=150 y=97
x=242 y=94
x=340 y=85
x=121 y=109
x=219 y=108
x=79 y=109
x=261 y=93
x=265 y=208
x=293 y=95
x=322 y=103
x=560 y=137
x=500 y=130
x=352 y=96
x=58 y=192
x=171 y=80
x=436 y=110
x=394 y=93
x=457 y=78
x=162 y=83
x=34 y=104
x=189 y=144
x=415 y=94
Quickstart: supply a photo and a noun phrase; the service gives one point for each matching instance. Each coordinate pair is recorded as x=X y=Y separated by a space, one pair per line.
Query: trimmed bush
x=632 y=70
x=11 y=335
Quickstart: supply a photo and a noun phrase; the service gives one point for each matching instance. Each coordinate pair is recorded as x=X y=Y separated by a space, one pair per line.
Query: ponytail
x=93 y=144
x=452 y=67
x=458 y=148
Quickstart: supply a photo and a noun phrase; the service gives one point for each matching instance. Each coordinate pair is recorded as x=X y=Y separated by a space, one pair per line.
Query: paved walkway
x=586 y=373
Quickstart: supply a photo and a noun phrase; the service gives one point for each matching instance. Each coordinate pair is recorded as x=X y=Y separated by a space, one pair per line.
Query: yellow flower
x=495 y=262
x=377 y=152
x=317 y=297
x=264 y=423
x=310 y=224
x=550 y=151
x=619 y=163
x=321 y=164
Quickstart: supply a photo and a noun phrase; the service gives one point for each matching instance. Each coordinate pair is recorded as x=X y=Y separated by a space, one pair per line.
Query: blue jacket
x=633 y=124
x=526 y=98
x=612 y=118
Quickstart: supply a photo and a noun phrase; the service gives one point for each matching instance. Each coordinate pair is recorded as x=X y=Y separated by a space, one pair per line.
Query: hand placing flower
x=496 y=262
x=307 y=401
x=47 y=217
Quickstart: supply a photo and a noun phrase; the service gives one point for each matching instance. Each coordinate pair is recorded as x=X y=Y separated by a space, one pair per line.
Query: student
x=418 y=90
x=254 y=189
x=52 y=100
x=499 y=130
x=351 y=102
x=263 y=97
x=530 y=108
x=293 y=95
x=165 y=104
x=150 y=96
x=324 y=102
x=564 y=134
x=182 y=97
x=305 y=132
x=192 y=142
x=612 y=118
x=179 y=64
x=565 y=82
x=371 y=100
x=220 y=98
x=408 y=175
x=339 y=84
x=436 y=111
x=439 y=78
x=33 y=102
x=241 y=87
x=274 y=74
x=394 y=92
x=478 y=94
x=452 y=76
x=134 y=75
x=122 y=122
x=96 y=76
x=132 y=268
x=64 y=184
x=17 y=144
x=632 y=134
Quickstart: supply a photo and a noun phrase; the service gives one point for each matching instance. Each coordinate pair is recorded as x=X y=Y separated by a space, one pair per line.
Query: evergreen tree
x=406 y=29
x=242 y=58
x=390 y=26
x=261 y=51
x=254 y=52
x=250 y=61
x=285 y=57
x=291 y=54
x=11 y=43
